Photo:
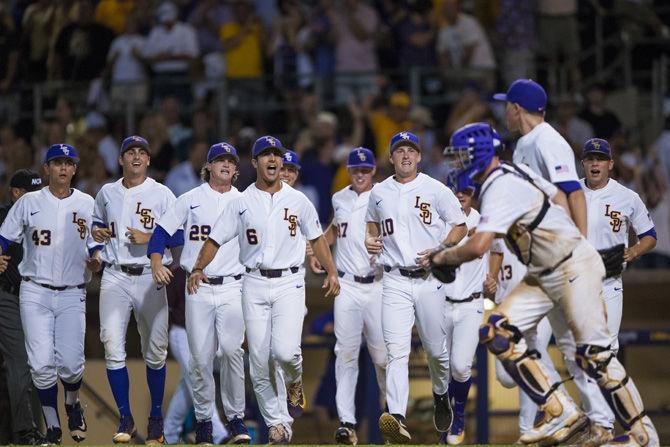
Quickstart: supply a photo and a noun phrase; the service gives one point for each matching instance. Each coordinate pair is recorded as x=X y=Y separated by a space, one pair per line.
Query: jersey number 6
x=252 y=237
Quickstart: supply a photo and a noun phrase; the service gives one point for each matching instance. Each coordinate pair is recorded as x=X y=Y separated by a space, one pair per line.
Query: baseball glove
x=443 y=273
x=613 y=259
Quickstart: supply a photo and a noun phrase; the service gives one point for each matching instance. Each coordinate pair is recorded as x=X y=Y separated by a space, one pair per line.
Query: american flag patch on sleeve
x=561 y=168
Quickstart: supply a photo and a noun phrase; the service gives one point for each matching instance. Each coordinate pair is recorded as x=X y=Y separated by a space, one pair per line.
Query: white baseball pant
x=215 y=327
x=404 y=302
x=358 y=313
x=462 y=334
x=182 y=398
x=274 y=310
x=613 y=294
x=54 y=323
x=121 y=294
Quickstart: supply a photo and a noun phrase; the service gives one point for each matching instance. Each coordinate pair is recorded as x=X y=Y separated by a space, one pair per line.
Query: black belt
x=545 y=272
x=59 y=288
x=274 y=273
x=132 y=271
x=418 y=273
x=218 y=280
x=472 y=297
x=361 y=279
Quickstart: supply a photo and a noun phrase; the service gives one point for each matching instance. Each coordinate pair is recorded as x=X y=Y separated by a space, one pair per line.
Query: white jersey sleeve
x=308 y=221
x=227 y=226
x=13 y=225
x=174 y=218
x=450 y=208
x=640 y=218
x=546 y=152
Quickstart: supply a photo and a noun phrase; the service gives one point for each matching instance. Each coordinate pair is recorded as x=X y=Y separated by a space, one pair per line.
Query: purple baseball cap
x=291 y=158
x=406 y=138
x=361 y=157
x=597 y=146
x=264 y=143
x=61 y=151
x=134 y=141
x=221 y=149
x=527 y=93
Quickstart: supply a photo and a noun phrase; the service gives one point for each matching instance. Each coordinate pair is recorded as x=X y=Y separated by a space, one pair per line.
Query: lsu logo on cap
x=65 y=149
x=361 y=155
x=404 y=135
x=271 y=141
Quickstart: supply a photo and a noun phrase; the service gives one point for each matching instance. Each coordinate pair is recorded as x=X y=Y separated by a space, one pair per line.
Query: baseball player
x=214 y=321
x=564 y=271
x=266 y=221
x=410 y=206
x=547 y=153
x=52 y=224
x=124 y=218
x=358 y=309
x=612 y=210
x=463 y=315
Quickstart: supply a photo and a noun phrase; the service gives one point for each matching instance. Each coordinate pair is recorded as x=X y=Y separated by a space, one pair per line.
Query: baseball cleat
x=625 y=440
x=155 y=431
x=346 y=434
x=238 y=431
x=560 y=420
x=31 y=437
x=595 y=436
x=295 y=399
x=393 y=429
x=456 y=432
x=442 y=414
x=126 y=431
x=76 y=422
x=277 y=435
x=203 y=433
x=54 y=436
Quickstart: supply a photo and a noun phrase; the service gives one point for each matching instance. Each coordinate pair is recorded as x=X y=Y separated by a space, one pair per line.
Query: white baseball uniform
x=413 y=217
x=272 y=251
x=612 y=211
x=358 y=308
x=127 y=285
x=56 y=242
x=464 y=310
x=214 y=321
x=547 y=153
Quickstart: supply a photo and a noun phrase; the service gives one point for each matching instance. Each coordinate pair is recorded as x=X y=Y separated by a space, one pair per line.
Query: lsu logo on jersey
x=424 y=209
x=145 y=216
x=292 y=220
x=615 y=218
x=81 y=225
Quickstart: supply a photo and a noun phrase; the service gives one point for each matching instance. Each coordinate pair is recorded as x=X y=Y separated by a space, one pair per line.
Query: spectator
x=604 y=122
x=154 y=128
x=244 y=139
x=81 y=48
x=103 y=143
x=416 y=35
x=558 y=28
x=186 y=175
x=462 y=43
x=171 y=49
x=574 y=129
x=432 y=160
x=114 y=14
x=65 y=116
x=386 y=121
x=662 y=148
x=355 y=27
x=36 y=39
x=516 y=39
x=9 y=58
x=92 y=172
x=202 y=127
x=322 y=37
x=469 y=108
x=207 y=18
x=654 y=193
x=15 y=153
x=179 y=134
x=125 y=67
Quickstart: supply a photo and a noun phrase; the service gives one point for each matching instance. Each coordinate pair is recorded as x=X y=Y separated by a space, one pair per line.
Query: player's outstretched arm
x=455 y=235
x=205 y=257
x=373 y=241
x=322 y=253
x=577 y=204
x=475 y=247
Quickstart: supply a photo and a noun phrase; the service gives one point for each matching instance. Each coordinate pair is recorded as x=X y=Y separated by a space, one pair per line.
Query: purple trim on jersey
x=99 y=224
x=176 y=240
x=569 y=186
x=651 y=233
x=158 y=242
x=4 y=242
x=94 y=249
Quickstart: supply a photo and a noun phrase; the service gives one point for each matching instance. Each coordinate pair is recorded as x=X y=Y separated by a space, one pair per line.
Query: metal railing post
x=482 y=402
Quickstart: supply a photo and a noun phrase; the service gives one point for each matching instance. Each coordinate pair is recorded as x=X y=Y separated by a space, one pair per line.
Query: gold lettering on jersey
x=145 y=216
x=615 y=218
x=425 y=213
x=292 y=220
x=81 y=225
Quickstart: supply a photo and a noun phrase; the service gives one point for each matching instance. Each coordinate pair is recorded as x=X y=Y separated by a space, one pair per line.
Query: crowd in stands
x=323 y=75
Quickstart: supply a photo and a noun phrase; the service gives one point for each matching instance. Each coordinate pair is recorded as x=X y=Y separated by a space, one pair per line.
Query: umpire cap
x=26 y=179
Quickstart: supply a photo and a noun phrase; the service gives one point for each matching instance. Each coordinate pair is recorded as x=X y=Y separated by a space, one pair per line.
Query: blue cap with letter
x=61 y=151
x=527 y=93
x=221 y=150
x=290 y=158
x=134 y=141
x=405 y=138
x=265 y=143
x=361 y=157
x=597 y=146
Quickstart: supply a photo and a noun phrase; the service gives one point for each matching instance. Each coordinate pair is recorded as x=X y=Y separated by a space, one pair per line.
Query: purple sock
x=156 y=382
x=49 y=400
x=119 y=383
x=458 y=392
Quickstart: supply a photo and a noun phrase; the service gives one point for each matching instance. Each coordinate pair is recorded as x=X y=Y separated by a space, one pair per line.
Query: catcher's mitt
x=613 y=259
x=443 y=273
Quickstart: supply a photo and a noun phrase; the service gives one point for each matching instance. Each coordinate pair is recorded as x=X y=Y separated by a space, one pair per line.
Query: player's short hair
x=205 y=175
